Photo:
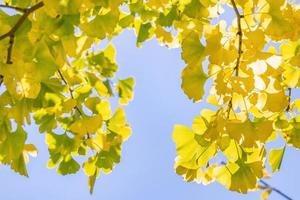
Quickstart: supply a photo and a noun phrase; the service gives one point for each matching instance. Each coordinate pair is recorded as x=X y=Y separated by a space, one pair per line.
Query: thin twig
x=13 y=7
x=289 y=99
x=229 y=108
x=66 y=83
x=72 y=96
x=9 y=50
x=267 y=186
x=70 y=90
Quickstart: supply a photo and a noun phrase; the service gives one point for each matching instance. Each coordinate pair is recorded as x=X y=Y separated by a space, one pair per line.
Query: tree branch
x=27 y=12
x=267 y=186
x=1 y=79
x=240 y=34
x=240 y=51
x=11 y=33
x=10 y=48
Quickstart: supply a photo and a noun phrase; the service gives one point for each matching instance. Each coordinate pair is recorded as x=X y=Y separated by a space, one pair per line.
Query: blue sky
x=146 y=171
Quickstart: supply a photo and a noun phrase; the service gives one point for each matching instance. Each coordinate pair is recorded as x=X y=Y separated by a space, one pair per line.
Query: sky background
x=146 y=170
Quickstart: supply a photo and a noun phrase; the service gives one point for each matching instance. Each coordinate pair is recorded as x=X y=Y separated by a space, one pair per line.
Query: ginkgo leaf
x=92 y=171
x=275 y=158
x=104 y=109
x=192 y=49
x=292 y=133
x=249 y=133
x=106 y=160
x=11 y=151
x=168 y=17
x=192 y=149
x=87 y=125
x=144 y=33
x=68 y=166
x=278 y=26
x=103 y=62
x=60 y=148
x=89 y=166
x=117 y=124
x=193 y=80
x=240 y=177
x=265 y=194
x=91 y=182
x=101 y=25
x=125 y=90
x=158 y=4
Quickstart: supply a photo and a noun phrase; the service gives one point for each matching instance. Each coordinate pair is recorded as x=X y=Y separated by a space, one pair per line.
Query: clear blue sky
x=146 y=170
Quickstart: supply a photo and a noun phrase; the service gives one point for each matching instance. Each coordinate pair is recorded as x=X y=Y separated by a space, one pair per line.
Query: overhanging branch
x=240 y=51
x=27 y=12
x=11 y=33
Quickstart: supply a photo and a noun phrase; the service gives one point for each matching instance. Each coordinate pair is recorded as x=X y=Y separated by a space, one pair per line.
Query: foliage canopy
x=49 y=69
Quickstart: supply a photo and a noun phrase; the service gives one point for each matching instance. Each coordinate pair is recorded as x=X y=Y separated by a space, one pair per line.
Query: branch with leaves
x=70 y=90
x=11 y=33
x=240 y=51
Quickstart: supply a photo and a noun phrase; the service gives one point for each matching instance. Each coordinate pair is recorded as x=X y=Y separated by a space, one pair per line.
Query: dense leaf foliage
x=52 y=69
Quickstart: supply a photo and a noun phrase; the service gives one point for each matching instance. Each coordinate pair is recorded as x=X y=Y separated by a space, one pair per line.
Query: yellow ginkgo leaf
x=265 y=194
x=240 y=177
x=117 y=124
x=275 y=158
x=88 y=125
x=192 y=149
